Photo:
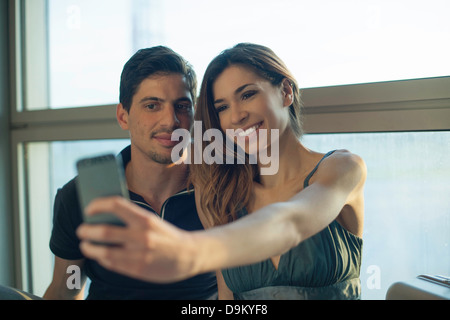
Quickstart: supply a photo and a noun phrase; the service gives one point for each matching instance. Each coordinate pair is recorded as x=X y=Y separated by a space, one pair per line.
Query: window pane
x=407 y=215
x=323 y=42
x=407 y=207
x=50 y=165
x=89 y=41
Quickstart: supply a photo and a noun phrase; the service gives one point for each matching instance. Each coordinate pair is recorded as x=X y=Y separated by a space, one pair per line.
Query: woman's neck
x=291 y=157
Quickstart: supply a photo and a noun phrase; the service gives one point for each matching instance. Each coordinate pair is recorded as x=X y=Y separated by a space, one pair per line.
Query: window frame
x=406 y=105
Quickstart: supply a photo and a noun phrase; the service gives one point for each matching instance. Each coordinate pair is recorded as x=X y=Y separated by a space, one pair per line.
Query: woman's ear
x=288 y=92
x=122 y=116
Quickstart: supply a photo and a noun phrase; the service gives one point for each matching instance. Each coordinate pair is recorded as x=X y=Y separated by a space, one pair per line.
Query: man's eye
x=184 y=107
x=151 y=106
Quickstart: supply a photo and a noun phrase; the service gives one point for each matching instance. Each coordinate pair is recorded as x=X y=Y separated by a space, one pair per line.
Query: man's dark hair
x=146 y=62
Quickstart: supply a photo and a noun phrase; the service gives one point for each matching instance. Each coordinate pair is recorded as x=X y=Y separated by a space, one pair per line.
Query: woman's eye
x=248 y=95
x=221 y=108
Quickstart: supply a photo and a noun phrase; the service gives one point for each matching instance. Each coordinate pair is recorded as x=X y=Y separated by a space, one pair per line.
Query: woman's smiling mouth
x=249 y=131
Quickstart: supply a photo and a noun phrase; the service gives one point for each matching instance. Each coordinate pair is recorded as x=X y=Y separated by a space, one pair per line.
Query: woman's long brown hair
x=227 y=188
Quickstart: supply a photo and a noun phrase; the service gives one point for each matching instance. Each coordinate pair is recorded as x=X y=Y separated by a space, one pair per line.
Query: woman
x=293 y=234
x=249 y=88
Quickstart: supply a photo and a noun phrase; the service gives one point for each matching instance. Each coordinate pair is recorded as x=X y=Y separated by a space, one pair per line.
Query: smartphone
x=101 y=176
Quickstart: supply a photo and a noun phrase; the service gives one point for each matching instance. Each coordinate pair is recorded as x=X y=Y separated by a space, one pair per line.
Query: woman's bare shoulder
x=342 y=165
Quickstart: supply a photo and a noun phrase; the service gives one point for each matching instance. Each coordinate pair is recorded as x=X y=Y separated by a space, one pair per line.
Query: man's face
x=161 y=104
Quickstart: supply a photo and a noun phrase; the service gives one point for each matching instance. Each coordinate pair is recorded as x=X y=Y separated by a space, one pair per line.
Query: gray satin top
x=324 y=266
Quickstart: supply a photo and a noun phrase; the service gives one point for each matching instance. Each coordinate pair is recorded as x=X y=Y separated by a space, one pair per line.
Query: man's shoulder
x=69 y=190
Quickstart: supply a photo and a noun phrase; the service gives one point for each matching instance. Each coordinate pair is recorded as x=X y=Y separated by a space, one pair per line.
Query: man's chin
x=161 y=159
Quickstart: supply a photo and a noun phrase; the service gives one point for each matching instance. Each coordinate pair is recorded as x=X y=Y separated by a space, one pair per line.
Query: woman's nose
x=238 y=115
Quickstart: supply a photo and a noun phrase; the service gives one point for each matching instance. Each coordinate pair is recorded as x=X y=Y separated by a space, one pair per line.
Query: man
x=157 y=92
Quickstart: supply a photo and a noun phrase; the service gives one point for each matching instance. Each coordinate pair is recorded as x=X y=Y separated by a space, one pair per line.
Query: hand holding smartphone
x=101 y=176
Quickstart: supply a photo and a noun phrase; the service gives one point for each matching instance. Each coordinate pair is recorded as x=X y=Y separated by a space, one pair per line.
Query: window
x=75 y=50
x=407 y=208
x=49 y=166
x=376 y=81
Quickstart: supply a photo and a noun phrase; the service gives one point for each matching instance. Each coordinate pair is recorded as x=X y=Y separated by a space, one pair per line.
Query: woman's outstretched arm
x=153 y=250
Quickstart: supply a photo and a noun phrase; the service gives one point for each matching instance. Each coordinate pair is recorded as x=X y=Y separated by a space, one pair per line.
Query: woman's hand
x=148 y=248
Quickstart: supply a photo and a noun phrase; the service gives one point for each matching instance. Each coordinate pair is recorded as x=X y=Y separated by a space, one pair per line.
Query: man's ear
x=122 y=116
x=288 y=92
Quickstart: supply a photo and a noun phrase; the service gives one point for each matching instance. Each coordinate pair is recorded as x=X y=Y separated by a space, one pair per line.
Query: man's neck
x=153 y=181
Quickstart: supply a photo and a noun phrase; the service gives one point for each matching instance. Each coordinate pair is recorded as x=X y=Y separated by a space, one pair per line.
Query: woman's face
x=251 y=107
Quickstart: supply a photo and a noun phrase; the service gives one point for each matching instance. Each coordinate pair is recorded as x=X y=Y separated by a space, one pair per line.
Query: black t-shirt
x=179 y=210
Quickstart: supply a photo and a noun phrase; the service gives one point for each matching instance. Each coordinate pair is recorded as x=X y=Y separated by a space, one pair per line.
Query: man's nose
x=169 y=117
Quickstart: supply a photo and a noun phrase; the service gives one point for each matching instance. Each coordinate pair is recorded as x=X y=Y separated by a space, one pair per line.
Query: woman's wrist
x=203 y=252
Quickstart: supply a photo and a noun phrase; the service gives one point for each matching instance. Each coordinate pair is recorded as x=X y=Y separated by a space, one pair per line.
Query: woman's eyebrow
x=237 y=91
x=241 y=88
